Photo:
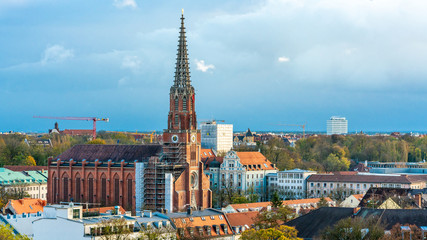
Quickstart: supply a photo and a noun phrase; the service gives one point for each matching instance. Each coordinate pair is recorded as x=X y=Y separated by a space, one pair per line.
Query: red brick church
x=168 y=176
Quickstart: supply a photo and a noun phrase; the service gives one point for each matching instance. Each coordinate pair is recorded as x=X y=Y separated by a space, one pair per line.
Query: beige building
x=344 y=184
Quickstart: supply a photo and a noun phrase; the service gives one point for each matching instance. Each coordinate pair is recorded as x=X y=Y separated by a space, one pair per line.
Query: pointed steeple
x=182 y=69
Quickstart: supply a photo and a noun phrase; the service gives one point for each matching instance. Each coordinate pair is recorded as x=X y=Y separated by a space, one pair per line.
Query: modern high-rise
x=337 y=125
x=218 y=137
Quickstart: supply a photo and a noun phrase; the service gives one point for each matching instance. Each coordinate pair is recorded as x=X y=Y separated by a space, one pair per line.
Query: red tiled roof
x=255 y=161
x=198 y=222
x=77 y=131
x=204 y=153
x=26 y=205
x=259 y=205
x=242 y=218
x=403 y=179
x=105 y=209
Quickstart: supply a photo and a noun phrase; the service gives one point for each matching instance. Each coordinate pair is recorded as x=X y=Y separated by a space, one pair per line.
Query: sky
x=253 y=63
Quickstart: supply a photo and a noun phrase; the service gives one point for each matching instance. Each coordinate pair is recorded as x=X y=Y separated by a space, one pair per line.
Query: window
x=176 y=103
x=176 y=119
x=184 y=104
x=311 y=184
x=76 y=213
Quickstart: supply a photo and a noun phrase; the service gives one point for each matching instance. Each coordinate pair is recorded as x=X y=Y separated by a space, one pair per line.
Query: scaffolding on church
x=154 y=174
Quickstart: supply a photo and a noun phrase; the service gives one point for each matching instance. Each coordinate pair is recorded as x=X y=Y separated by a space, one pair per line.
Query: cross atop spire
x=182 y=69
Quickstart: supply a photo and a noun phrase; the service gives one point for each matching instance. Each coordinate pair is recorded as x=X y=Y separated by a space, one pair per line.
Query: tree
x=97 y=141
x=114 y=229
x=354 y=229
x=275 y=200
x=396 y=233
x=280 y=233
x=151 y=233
x=273 y=218
x=322 y=203
x=30 y=161
x=6 y=233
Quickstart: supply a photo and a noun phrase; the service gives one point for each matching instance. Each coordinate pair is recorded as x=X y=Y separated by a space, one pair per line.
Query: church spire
x=182 y=69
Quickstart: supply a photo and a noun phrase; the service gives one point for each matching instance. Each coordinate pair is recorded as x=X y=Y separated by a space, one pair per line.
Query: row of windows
x=290 y=181
x=291 y=175
x=357 y=185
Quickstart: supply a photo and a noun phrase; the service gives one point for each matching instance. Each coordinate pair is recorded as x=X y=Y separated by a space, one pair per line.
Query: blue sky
x=253 y=63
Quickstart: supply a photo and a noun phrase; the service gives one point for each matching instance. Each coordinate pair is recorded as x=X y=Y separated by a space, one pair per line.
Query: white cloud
x=201 y=66
x=125 y=3
x=122 y=81
x=56 y=53
x=283 y=59
x=131 y=62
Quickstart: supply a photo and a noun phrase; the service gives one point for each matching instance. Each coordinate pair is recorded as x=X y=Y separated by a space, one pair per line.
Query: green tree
x=280 y=233
x=6 y=233
x=276 y=202
x=273 y=218
x=97 y=141
x=354 y=229
x=322 y=203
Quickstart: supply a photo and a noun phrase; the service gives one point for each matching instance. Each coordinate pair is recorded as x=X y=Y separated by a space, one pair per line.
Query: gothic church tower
x=182 y=139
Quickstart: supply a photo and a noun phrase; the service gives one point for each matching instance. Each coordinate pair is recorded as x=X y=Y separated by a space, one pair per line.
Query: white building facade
x=291 y=184
x=337 y=125
x=218 y=137
x=243 y=171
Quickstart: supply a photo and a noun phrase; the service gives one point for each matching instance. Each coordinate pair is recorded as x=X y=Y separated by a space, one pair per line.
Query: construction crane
x=295 y=125
x=93 y=119
x=151 y=136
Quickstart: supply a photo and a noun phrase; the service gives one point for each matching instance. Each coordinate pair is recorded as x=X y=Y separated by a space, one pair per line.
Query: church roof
x=91 y=152
x=249 y=133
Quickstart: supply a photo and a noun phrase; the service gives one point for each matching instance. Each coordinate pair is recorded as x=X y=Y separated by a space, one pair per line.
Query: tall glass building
x=337 y=125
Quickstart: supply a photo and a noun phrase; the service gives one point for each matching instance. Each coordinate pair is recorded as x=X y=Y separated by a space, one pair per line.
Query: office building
x=337 y=125
x=218 y=137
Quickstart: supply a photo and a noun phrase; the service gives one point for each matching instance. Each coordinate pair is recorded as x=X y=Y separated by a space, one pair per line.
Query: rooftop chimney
x=189 y=211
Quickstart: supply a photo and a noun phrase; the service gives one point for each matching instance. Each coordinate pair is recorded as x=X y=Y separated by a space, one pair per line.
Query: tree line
x=339 y=152
x=18 y=149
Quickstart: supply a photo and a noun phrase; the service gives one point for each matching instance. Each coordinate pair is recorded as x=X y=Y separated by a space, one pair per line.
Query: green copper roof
x=8 y=177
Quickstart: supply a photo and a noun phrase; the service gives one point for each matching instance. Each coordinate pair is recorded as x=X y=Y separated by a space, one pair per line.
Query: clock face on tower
x=193 y=138
x=175 y=138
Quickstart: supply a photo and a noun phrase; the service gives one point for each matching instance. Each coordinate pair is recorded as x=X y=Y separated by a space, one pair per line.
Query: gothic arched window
x=184 y=103
x=176 y=103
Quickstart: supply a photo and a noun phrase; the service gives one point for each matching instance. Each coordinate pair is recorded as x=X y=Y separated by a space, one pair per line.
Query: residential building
x=68 y=222
x=352 y=201
x=208 y=223
x=344 y=184
x=161 y=177
x=33 y=183
x=337 y=125
x=394 y=198
x=25 y=205
x=247 y=139
x=290 y=184
x=299 y=205
x=241 y=221
x=243 y=171
x=218 y=137
x=21 y=223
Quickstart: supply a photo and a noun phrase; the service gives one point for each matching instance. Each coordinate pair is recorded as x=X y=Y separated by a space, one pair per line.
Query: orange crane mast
x=93 y=119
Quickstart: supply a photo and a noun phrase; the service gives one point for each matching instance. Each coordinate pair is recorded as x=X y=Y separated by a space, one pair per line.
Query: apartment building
x=243 y=171
x=345 y=184
x=290 y=184
x=33 y=183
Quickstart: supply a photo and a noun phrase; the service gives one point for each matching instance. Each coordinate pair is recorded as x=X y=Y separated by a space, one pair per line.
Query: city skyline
x=263 y=62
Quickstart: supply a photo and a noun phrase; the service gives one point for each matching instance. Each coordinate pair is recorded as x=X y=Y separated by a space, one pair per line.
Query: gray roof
x=202 y=213
x=312 y=224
